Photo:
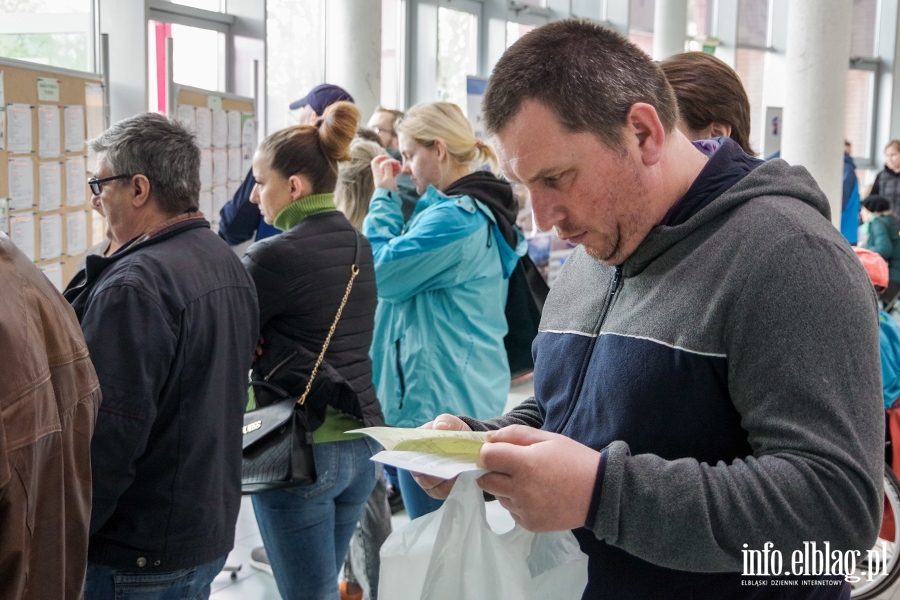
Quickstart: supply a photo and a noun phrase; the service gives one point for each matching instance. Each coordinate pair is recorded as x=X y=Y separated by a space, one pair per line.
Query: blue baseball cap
x=321 y=97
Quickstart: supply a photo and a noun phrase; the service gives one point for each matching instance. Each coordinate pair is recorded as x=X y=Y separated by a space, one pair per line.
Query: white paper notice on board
x=48 y=131
x=93 y=109
x=206 y=206
x=203 y=122
x=2 y=94
x=4 y=215
x=219 y=129
x=48 y=89
x=214 y=102
x=21 y=182
x=75 y=181
x=232 y=187
x=74 y=119
x=76 y=233
x=206 y=169
x=2 y=128
x=50 y=180
x=220 y=166
x=234 y=129
x=18 y=129
x=185 y=116
x=220 y=197
x=51 y=236
x=54 y=272
x=21 y=232
x=235 y=160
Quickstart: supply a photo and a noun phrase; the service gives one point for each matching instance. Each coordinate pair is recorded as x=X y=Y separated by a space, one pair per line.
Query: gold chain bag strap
x=277 y=441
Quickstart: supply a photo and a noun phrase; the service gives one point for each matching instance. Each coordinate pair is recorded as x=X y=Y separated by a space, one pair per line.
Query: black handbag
x=524 y=306
x=277 y=438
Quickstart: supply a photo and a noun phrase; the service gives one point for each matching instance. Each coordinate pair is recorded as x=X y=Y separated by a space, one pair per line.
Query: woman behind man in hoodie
x=442 y=278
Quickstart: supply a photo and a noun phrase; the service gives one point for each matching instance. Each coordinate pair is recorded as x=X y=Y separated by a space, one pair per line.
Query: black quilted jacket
x=301 y=276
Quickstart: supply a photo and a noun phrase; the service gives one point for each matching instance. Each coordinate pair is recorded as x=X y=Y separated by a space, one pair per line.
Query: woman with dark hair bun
x=884 y=239
x=711 y=98
x=302 y=275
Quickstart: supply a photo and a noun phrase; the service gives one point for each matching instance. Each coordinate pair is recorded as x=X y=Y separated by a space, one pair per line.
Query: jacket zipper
x=276 y=368
x=400 y=374
x=617 y=278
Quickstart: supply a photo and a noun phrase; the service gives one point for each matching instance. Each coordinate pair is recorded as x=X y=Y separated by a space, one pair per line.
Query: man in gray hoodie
x=706 y=379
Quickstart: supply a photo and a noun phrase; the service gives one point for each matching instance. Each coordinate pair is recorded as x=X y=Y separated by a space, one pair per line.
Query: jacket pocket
x=400 y=374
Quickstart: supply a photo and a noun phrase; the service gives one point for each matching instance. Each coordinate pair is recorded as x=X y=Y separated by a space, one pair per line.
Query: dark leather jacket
x=49 y=395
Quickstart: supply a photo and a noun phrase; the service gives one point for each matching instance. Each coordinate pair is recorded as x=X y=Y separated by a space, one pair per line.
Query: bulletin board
x=225 y=126
x=46 y=116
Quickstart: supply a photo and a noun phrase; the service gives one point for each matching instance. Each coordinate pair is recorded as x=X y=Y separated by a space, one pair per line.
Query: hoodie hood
x=774 y=178
x=494 y=193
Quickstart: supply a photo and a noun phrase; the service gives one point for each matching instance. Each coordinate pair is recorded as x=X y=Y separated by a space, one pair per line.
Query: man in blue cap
x=240 y=218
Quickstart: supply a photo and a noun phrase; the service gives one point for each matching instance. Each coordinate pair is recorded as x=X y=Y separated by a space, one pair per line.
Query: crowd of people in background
x=165 y=320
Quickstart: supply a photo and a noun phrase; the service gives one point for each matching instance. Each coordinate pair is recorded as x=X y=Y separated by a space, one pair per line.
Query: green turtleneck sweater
x=336 y=422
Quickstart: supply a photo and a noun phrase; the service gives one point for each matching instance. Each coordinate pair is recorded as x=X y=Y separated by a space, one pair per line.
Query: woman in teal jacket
x=884 y=239
x=442 y=278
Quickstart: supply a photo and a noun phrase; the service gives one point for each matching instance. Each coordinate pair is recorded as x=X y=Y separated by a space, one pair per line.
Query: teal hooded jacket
x=442 y=285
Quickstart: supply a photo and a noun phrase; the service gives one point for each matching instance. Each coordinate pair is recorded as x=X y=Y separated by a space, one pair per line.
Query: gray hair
x=356 y=184
x=163 y=151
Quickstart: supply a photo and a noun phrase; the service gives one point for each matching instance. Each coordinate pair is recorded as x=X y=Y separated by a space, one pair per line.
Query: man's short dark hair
x=162 y=150
x=588 y=75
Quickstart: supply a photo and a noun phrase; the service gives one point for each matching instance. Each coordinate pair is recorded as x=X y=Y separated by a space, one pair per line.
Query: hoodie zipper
x=400 y=374
x=611 y=296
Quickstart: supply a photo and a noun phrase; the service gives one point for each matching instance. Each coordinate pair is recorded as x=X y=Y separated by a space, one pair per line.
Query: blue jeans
x=107 y=583
x=416 y=501
x=306 y=529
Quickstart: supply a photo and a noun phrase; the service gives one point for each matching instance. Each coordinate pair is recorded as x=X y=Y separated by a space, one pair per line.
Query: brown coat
x=49 y=396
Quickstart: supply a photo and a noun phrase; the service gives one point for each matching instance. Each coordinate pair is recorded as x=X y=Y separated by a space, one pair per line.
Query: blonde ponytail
x=425 y=123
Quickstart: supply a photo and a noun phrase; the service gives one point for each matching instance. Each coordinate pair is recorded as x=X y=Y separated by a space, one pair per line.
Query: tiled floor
x=250 y=584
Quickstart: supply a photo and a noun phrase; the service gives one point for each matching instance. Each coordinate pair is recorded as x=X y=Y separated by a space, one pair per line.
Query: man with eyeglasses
x=170 y=320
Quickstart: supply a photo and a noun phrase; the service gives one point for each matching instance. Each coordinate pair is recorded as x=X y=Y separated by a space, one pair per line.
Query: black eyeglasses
x=94 y=183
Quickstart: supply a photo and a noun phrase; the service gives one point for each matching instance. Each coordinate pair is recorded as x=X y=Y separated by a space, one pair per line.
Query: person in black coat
x=887 y=182
x=302 y=275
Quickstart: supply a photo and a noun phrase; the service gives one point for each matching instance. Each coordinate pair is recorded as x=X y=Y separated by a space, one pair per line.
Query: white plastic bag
x=452 y=554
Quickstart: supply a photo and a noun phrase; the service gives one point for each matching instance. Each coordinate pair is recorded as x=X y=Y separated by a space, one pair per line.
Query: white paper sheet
x=220 y=166
x=220 y=197
x=232 y=187
x=21 y=182
x=206 y=169
x=248 y=141
x=50 y=178
x=48 y=131
x=18 y=129
x=206 y=206
x=76 y=233
x=219 y=129
x=74 y=120
x=2 y=128
x=76 y=186
x=235 y=161
x=54 y=272
x=21 y=232
x=203 y=122
x=186 y=116
x=93 y=109
x=442 y=466
x=234 y=129
x=4 y=215
x=48 y=89
x=2 y=94
x=51 y=236
x=443 y=454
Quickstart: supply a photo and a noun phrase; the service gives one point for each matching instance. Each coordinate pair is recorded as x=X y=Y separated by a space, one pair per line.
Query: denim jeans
x=363 y=563
x=107 y=583
x=416 y=501
x=306 y=529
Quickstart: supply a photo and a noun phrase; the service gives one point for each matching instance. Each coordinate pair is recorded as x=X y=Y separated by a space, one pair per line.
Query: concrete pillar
x=669 y=28
x=353 y=50
x=815 y=95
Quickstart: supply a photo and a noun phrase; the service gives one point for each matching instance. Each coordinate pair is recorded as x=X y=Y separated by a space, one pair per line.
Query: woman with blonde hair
x=356 y=184
x=302 y=276
x=442 y=278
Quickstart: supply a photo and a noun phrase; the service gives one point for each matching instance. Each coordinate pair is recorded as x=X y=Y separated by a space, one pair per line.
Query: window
x=198 y=59
x=750 y=65
x=295 y=55
x=516 y=30
x=214 y=5
x=862 y=33
x=392 y=37
x=753 y=23
x=859 y=117
x=640 y=17
x=862 y=81
x=457 y=54
x=58 y=33
x=698 y=18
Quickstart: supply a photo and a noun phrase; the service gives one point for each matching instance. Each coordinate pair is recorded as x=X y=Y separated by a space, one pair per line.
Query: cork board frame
x=20 y=86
